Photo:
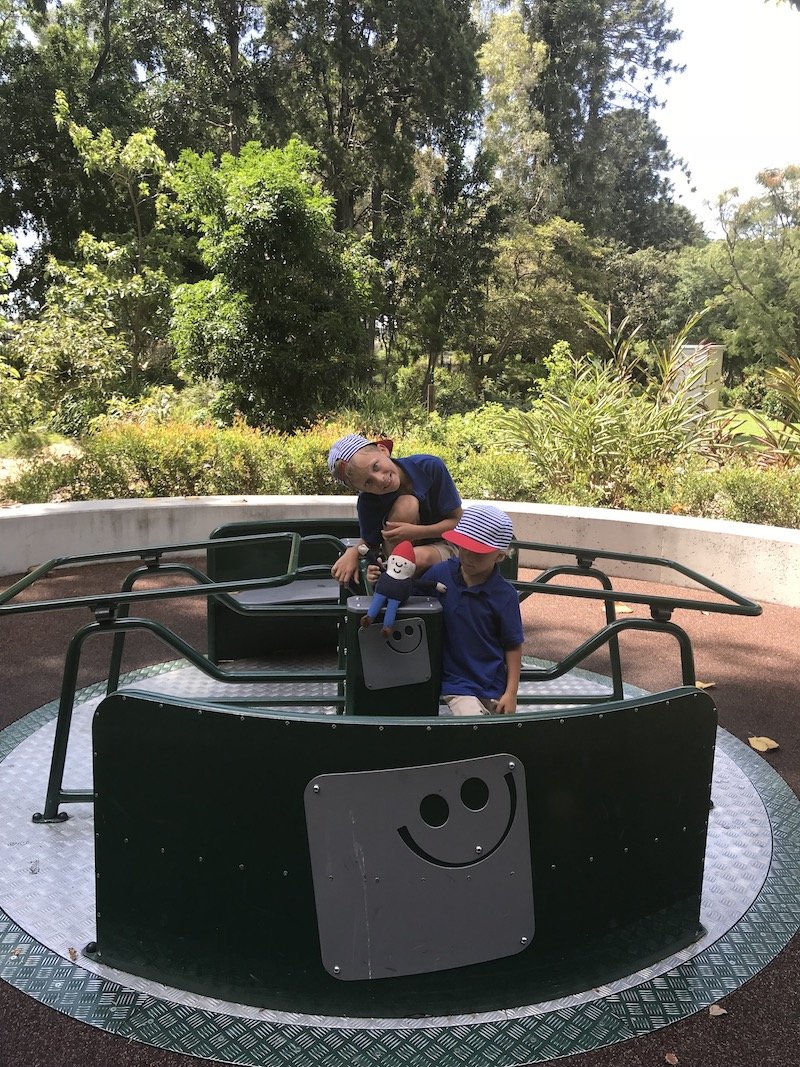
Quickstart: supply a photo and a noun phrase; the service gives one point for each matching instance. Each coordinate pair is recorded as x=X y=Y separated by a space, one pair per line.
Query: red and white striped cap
x=343 y=450
x=482 y=528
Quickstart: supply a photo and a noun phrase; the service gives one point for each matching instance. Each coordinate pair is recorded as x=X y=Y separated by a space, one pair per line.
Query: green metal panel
x=234 y=636
x=205 y=875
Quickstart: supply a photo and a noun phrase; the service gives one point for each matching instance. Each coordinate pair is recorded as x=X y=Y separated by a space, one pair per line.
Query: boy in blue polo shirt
x=482 y=640
x=410 y=499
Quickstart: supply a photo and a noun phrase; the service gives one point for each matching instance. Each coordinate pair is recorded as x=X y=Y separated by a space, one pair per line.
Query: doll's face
x=400 y=567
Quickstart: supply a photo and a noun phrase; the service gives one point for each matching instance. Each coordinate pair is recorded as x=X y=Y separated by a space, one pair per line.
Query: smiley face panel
x=404 y=858
x=466 y=819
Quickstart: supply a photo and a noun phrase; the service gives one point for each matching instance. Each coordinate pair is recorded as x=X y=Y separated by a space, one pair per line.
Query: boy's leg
x=463 y=704
x=404 y=509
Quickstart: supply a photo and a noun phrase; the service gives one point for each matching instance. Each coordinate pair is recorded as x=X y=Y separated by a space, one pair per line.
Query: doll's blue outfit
x=392 y=592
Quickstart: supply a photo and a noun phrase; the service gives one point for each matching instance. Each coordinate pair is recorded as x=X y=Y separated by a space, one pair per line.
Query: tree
x=533 y=297
x=280 y=319
x=512 y=65
x=602 y=56
x=44 y=188
x=367 y=84
x=631 y=201
x=445 y=253
x=759 y=260
x=198 y=65
x=122 y=279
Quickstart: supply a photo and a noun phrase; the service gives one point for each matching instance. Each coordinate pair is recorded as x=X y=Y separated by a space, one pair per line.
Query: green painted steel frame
x=111 y=614
x=237 y=633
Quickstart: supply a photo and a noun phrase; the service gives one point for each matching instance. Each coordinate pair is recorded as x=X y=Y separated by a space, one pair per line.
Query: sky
x=735 y=110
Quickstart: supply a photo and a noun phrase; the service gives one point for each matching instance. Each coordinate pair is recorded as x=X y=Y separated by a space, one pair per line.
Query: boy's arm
x=346 y=568
x=412 y=531
x=507 y=704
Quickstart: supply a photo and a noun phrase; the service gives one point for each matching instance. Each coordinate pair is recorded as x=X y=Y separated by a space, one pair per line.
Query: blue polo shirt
x=480 y=623
x=431 y=484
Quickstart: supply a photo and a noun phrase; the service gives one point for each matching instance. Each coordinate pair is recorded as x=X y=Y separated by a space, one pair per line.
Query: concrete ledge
x=762 y=562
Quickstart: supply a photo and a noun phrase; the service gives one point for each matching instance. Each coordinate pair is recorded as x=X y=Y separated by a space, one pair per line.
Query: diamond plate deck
x=751 y=908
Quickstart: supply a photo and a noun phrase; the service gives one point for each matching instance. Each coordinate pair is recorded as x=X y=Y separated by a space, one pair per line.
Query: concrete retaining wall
x=762 y=562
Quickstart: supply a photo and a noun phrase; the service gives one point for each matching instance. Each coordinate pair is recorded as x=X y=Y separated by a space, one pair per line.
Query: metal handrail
x=111 y=615
x=56 y=794
x=586 y=557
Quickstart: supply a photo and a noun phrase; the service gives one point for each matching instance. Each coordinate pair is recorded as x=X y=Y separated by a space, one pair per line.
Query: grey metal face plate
x=400 y=658
x=420 y=869
x=751 y=909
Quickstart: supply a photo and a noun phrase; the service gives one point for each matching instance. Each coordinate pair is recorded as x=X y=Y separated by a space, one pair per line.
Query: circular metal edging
x=601 y=1017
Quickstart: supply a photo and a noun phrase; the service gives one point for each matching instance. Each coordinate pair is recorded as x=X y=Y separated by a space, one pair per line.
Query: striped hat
x=343 y=450
x=482 y=528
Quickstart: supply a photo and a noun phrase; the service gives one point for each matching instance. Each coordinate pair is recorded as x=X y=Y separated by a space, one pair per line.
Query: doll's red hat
x=405 y=550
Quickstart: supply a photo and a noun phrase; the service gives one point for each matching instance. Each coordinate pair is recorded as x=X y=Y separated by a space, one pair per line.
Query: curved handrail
x=56 y=794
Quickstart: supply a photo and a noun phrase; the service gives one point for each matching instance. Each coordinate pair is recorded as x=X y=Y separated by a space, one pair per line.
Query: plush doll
x=395 y=585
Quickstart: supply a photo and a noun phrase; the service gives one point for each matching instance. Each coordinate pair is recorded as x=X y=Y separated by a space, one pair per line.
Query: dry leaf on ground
x=623 y=609
x=763 y=744
x=73 y=953
x=717 y=1009
x=706 y=685
x=671 y=1058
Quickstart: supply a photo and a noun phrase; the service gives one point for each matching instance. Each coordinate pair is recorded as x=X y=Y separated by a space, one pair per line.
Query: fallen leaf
x=17 y=951
x=763 y=744
x=706 y=685
x=73 y=953
x=623 y=609
x=705 y=612
x=717 y=1009
x=671 y=1058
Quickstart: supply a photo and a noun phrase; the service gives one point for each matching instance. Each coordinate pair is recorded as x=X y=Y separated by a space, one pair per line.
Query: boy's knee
x=404 y=509
x=426 y=556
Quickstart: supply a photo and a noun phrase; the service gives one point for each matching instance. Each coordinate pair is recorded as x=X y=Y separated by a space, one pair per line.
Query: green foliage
x=533 y=294
x=596 y=426
x=777 y=441
x=177 y=459
x=163 y=458
x=281 y=319
x=68 y=367
x=595 y=96
x=445 y=252
x=737 y=492
x=368 y=84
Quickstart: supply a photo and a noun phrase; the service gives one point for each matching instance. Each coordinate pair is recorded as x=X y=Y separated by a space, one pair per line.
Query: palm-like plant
x=777 y=444
x=610 y=417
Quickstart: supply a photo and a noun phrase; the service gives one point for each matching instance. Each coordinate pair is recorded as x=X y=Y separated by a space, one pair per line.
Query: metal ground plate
x=750 y=909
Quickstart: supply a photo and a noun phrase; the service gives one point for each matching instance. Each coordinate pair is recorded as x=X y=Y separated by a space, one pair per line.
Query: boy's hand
x=345 y=569
x=506 y=704
x=402 y=531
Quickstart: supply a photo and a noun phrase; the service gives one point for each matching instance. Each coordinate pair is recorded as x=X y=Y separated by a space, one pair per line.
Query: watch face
x=405 y=860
